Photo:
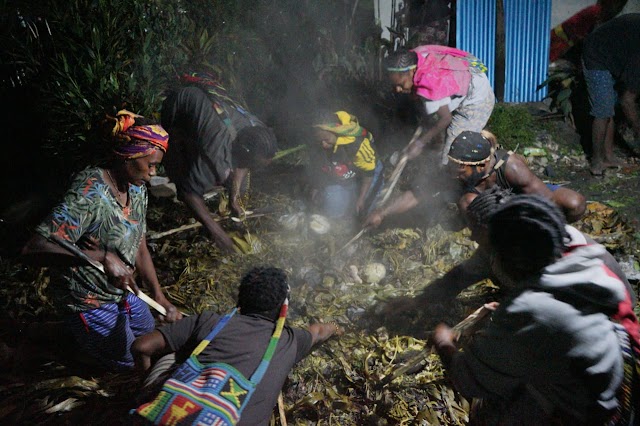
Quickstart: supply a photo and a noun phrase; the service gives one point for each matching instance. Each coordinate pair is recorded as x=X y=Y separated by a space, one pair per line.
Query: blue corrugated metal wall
x=476 y=31
x=527 y=27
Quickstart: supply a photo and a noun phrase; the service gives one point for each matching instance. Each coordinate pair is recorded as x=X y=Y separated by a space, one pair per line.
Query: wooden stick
x=286 y=152
x=352 y=240
x=157 y=235
x=149 y=301
x=395 y=176
x=420 y=360
x=74 y=249
x=283 y=417
x=386 y=193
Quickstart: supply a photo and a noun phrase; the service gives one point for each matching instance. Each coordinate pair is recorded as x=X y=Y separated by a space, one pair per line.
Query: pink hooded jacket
x=441 y=72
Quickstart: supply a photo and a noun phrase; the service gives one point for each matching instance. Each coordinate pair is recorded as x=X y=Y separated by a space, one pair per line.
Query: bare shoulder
x=465 y=200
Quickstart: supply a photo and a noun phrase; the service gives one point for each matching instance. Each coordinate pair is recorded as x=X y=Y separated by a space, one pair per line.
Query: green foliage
x=562 y=82
x=283 y=58
x=92 y=58
x=512 y=125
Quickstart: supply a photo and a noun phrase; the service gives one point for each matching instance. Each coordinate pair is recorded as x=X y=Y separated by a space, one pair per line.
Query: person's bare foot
x=597 y=169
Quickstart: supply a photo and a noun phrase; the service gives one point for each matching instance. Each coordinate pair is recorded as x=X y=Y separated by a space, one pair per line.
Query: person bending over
x=563 y=346
x=241 y=343
x=478 y=166
x=451 y=84
x=347 y=175
x=214 y=142
x=478 y=267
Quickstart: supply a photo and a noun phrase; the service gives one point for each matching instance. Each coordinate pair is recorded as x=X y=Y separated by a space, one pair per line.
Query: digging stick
x=72 y=248
x=386 y=193
x=158 y=235
x=420 y=360
x=283 y=417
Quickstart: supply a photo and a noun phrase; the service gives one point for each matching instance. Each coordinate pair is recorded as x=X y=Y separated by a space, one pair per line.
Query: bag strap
x=271 y=348
x=223 y=321
x=273 y=342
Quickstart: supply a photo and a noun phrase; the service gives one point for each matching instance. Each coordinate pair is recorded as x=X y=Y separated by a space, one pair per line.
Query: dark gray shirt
x=199 y=154
x=242 y=343
x=615 y=46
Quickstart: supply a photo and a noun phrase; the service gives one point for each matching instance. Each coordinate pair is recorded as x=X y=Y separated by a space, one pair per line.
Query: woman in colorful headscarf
x=348 y=156
x=104 y=214
x=451 y=84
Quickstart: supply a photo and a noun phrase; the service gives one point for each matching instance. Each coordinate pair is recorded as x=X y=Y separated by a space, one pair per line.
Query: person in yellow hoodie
x=347 y=175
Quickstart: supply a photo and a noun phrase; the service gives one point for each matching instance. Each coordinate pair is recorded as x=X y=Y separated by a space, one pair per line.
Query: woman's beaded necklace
x=119 y=193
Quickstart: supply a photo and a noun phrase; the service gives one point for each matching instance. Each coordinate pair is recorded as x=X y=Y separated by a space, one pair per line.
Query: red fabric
x=576 y=28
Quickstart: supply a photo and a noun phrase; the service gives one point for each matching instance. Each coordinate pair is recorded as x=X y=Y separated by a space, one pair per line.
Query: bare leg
x=610 y=160
x=599 y=133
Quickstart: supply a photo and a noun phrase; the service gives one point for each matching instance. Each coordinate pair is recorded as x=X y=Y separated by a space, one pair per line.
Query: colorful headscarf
x=346 y=128
x=137 y=141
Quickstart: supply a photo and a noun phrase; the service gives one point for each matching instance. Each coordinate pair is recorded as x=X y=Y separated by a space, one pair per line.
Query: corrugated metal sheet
x=476 y=31
x=527 y=25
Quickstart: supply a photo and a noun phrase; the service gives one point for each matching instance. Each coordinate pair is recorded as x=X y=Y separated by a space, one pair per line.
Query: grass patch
x=513 y=126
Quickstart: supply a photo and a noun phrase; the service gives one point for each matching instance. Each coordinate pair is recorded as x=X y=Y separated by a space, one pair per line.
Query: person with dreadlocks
x=478 y=165
x=451 y=84
x=104 y=214
x=478 y=267
x=241 y=344
x=215 y=141
x=347 y=154
x=564 y=346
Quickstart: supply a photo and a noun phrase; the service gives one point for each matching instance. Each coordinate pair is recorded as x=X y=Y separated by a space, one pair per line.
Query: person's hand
x=373 y=220
x=119 y=274
x=236 y=210
x=225 y=243
x=413 y=150
x=443 y=336
x=173 y=314
x=359 y=205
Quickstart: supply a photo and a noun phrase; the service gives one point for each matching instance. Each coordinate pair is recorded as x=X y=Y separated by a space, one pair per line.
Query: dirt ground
x=336 y=384
x=619 y=188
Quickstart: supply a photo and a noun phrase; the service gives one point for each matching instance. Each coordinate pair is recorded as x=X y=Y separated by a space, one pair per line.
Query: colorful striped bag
x=212 y=394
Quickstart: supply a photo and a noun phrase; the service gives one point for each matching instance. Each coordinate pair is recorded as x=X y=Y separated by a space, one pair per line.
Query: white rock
x=373 y=273
x=319 y=224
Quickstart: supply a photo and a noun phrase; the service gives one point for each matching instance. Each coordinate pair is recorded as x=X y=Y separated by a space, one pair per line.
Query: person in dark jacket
x=563 y=346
